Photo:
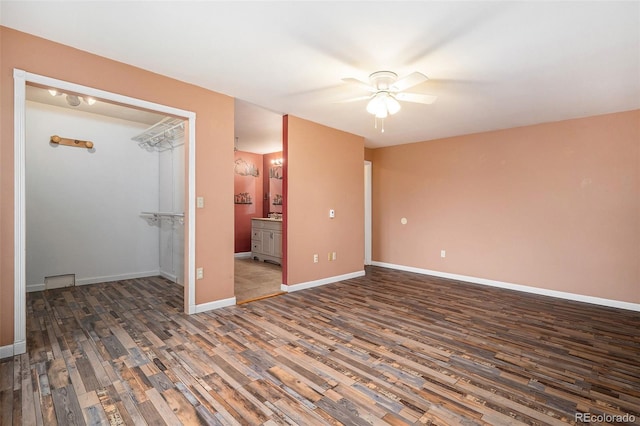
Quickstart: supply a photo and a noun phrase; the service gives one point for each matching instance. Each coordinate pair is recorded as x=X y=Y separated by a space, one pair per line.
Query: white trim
x=19 y=219
x=6 y=351
x=20 y=79
x=107 y=278
x=190 y=301
x=19 y=347
x=170 y=277
x=242 y=255
x=517 y=287
x=119 y=277
x=216 y=304
x=367 y=211
x=36 y=287
x=323 y=281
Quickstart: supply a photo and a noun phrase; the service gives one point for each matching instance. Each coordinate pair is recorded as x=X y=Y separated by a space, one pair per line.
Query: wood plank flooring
x=389 y=348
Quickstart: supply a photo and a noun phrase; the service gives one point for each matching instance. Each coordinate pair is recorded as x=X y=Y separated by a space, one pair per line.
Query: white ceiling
x=493 y=65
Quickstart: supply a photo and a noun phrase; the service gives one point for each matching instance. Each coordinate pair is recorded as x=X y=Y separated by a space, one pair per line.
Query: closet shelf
x=166 y=134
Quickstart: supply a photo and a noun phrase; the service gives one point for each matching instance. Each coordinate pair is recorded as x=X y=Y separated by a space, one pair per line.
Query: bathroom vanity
x=266 y=239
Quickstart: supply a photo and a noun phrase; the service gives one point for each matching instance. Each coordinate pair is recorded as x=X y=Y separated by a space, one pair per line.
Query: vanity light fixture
x=277 y=161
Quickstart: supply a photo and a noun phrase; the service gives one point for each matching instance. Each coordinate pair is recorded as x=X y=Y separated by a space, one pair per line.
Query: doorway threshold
x=266 y=296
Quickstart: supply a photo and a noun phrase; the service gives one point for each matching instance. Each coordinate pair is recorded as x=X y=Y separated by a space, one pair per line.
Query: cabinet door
x=267 y=242
x=277 y=244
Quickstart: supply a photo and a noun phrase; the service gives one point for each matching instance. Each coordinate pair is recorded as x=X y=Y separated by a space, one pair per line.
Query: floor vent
x=59 y=281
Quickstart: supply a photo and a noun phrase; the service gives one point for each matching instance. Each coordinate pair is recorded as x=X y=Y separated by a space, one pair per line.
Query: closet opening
x=102 y=188
x=104 y=192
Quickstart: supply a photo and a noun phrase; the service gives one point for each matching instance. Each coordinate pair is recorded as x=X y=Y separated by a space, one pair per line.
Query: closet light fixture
x=73 y=100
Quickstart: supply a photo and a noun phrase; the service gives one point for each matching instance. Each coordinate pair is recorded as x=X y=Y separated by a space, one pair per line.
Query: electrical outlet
x=332 y=213
x=200 y=202
x=199 y=273
x=443 y=253
x=315 y=258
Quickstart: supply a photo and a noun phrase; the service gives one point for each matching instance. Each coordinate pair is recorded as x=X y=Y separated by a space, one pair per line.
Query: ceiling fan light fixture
x=377 y=106
x=392 y=104
x=383 y=104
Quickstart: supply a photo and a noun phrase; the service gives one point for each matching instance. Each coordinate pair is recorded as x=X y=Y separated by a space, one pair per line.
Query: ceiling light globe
x=392 y=104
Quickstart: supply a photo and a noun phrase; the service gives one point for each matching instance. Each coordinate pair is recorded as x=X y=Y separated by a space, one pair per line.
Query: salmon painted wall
x=324 y=171
x=248 y=179
x=214 y=145
x=553 y=206
x=368 y=154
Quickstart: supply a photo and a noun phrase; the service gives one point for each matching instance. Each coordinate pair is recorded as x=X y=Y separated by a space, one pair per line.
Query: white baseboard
x=518 y=287
x=216 y=304
x=120 y=277
x=34 y=287
x=168 y=276
x=6 y=351
x=323 y=281
x=104 y=279
x=243 y=255
x=17 y=348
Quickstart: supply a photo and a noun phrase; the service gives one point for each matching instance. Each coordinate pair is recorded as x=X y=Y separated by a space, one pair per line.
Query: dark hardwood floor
x=388 y=348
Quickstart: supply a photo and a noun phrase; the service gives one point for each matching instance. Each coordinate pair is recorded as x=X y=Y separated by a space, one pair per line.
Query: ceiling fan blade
x=411 y=80
x=416 y=97
x=359 y=98
x=360 y=83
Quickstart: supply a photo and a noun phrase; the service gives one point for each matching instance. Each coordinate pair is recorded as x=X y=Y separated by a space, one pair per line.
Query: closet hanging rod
x=166 y=214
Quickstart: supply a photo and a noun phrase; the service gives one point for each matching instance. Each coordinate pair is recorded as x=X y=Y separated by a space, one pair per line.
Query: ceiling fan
x=387 y=90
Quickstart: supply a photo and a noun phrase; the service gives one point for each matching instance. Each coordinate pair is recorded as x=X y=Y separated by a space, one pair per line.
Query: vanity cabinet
x=266 y=240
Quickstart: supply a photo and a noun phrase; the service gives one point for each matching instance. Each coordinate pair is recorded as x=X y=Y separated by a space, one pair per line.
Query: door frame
x=367 y=211
x=20 y=80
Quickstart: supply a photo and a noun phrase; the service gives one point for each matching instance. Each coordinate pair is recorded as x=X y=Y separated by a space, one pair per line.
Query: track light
x=73 y=100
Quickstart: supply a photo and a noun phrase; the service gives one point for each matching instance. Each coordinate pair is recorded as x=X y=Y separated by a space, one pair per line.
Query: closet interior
x=111 y=209
x=167 y=138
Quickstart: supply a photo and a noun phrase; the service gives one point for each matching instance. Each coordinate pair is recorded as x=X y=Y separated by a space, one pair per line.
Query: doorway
x=21 y=79
x=258 y=202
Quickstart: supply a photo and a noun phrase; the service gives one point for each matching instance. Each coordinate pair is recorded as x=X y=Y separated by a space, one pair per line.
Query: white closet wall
x=171 y=199
x=82 y=207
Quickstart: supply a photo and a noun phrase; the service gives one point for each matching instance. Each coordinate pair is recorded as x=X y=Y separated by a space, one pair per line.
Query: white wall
x=83 y=207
